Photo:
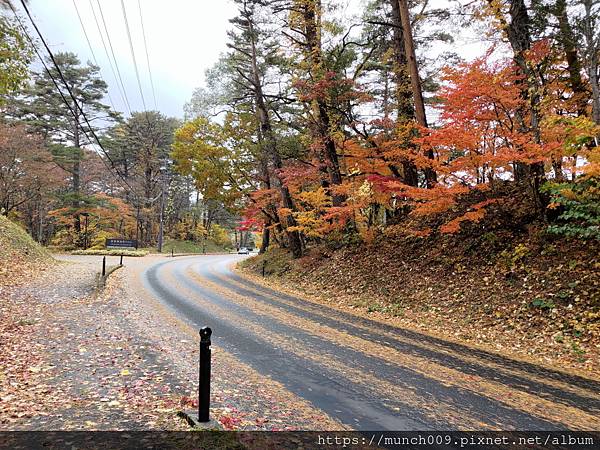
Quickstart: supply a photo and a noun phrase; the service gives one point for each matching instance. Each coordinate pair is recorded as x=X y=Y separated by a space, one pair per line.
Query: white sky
x=185 y=37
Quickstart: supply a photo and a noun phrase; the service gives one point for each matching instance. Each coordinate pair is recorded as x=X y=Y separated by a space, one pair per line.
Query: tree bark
x=567 y=41
x=76 y=169
x=270 y=145
x=266 y=238
x=519 y=36
x=311 y=16
x=415 y=80
x=404 y=109
x=592 y=44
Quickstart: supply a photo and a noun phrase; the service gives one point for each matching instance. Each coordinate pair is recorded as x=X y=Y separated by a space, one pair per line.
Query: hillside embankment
x=504 y=284
x=20 y=255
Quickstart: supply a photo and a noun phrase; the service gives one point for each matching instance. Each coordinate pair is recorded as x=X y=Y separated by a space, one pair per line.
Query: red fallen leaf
x=187 y=401
x=228 y=422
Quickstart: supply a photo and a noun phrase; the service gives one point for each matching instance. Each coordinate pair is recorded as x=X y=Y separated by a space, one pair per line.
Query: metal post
x=121 y=261
x=161 y=220
x=138 y=227
x=104 y=266
x=172 y=254
x=85 y=236
x=263 y=268
x=204 y=375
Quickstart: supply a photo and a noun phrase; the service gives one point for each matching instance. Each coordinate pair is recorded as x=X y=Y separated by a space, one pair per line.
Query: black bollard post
x=121 y=261
x=104 y=266
x=204 y=378
x=263 y=268
x=172 y=254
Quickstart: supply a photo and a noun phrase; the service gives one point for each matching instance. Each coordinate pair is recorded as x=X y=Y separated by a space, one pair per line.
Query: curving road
x=366 y=374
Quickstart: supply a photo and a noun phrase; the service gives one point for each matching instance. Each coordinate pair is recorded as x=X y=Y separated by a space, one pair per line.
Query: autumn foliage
x=479 y=140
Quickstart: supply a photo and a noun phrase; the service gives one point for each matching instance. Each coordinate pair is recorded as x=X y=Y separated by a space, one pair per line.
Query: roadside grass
x=189 y=247
x=14 y=241
x=19 y=253
x=111 y=252
x=178 y=247
x=276 y=262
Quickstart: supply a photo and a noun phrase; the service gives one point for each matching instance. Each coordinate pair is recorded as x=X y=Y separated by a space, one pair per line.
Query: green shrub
x=516 y=258
x=543 y=303
x=579 y=206
x=64 y=239
x=99 y=240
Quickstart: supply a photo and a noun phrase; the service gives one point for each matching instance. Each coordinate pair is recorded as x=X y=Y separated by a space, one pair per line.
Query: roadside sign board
x=122 y=243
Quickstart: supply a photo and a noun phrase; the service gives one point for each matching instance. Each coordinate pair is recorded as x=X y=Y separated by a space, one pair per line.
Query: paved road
x=369 y=375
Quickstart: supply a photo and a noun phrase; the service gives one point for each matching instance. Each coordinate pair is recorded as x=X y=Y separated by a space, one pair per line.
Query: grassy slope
x=19 y=253
x=190 y=247
x=503 y=286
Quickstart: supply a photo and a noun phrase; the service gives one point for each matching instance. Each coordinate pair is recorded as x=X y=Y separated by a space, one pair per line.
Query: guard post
x=104 y=266
x=204 y=376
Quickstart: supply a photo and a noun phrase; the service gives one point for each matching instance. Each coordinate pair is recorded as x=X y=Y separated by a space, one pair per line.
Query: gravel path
x=90 y=370
x=117 y=360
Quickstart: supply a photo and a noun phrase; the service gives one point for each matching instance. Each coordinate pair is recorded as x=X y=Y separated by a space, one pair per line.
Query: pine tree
x=63 y=124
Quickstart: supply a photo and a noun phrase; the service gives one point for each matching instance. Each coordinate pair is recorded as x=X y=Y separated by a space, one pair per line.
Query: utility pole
x=162 y=214
x=85 y=233
x=137 y=219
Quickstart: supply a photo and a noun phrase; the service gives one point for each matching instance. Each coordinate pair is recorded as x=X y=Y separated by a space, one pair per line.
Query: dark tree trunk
x=266 y=238
x=567 y=41
x=519 y=36
x=314 y=56
x=272 y=152
x=405 y=109
x=592 y=44
x=415 y=80
x=76 y=176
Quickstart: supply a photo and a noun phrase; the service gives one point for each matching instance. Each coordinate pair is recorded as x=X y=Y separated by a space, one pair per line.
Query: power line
x=147 y=55
x=92 y=51
x=85 y=32
x=120 y=86
x=112 y=51
x=29 y=38
x=137 y=73
x=62 y=77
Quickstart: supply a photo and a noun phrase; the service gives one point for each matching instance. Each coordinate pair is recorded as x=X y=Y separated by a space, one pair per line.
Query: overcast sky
x=184 y=37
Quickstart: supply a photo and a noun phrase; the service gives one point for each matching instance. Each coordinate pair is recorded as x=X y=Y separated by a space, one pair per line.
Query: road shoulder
x=116 y=359
x=279 y=284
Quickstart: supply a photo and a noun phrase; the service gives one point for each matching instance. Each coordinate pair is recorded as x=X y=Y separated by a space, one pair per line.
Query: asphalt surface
x=366 y=374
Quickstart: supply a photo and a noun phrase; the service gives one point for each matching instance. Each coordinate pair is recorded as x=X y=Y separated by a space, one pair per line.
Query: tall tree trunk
x=592 y=47
x=405 y=109
x=567 y=41
x=266 y=237
x=593 y=75
x=311 y=12
x=270 y=145
x=415 y=80
x=519 y=36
